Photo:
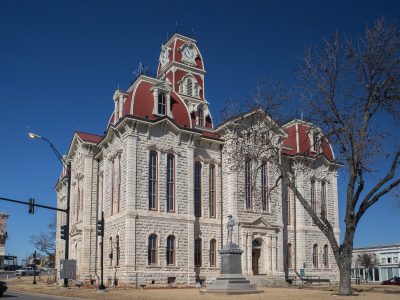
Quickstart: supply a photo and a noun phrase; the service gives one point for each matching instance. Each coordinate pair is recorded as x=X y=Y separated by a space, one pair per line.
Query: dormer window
x=189 y=86
x=201 y=117
x=119 y=99
x=162 y=104
x=315 y=145
x=162 y=100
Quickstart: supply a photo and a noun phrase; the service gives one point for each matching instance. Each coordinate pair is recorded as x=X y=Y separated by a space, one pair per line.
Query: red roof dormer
x=307 y=140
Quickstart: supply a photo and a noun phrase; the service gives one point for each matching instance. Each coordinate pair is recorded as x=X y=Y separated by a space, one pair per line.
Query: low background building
x=387 y=263
x=3 y=237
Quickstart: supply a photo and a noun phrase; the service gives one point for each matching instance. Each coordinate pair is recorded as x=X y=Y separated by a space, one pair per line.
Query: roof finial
x=301 y=115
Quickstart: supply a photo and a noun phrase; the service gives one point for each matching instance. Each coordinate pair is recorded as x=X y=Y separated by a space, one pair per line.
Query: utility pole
x=67 y=210
x=34 y=268
x=100 y=232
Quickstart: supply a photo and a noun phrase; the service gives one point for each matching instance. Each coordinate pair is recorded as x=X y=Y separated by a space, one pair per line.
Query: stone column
x=190 y=213
x=130 y=158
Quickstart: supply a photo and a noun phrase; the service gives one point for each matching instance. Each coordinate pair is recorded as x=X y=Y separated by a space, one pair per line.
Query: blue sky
x=61 y=61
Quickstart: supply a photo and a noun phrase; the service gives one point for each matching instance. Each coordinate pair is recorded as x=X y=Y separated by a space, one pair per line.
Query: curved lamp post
x=68 y=168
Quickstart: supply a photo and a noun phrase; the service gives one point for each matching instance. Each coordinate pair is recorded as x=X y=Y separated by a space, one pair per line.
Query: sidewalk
x=289 y=293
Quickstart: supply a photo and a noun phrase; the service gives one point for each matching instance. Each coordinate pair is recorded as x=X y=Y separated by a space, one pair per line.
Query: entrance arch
x=255 y=256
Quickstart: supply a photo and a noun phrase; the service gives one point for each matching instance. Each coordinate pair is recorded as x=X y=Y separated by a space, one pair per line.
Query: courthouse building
x=161 y=175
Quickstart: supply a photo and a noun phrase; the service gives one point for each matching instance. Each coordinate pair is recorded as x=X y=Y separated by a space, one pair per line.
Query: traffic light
x=100 y=227
x=63 y=227
x=31 y=205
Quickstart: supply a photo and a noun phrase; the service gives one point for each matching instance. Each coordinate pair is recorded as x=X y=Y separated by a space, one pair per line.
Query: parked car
x=27 y=271
x=392 y=281
x=3 y=288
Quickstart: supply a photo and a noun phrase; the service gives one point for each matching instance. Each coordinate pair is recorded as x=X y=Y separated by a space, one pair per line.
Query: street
x=27 y=296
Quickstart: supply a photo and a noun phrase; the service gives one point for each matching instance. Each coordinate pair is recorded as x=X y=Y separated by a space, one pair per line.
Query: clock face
x=164 y=56
x=189 y=54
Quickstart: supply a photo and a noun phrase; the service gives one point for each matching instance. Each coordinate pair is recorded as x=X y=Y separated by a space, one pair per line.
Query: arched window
x=110 y=248
x=117 y=250
x=212 y=192
x=323 y=199
x=170 y=182
x=153 y=180
x=100 y=246
x=152 y=249
x=197 y=189
x=248 y=189
x=213 y=253
x=162 y=104
x=313 y=198
x=189 y=87
x=315 y=255
x=289 y=256
x=119 y=185
x=264 y=187
x=78 y=201
x=112 y=185
x=197 y=252
x=171 y=250
x=200 y=113
x=315 y=145
x=325 y=257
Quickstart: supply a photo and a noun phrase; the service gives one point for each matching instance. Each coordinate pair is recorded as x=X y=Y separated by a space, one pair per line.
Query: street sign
x=68 y=269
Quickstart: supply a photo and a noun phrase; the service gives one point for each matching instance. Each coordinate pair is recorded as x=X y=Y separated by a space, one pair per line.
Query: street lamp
x=67 y=210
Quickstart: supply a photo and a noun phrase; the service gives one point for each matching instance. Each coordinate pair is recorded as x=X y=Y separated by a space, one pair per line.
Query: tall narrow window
x=153 y=180
x=315 y=142
x=323 y=199
x=78 y=201
x=117 y=248
x=111 y=254
x=101 y=193
x=289 y=256
x=119 y=185
x=201 y=117
x=197 y=252
x=315 y=255
x=189 y=87
x=197 y=189
x=248 y=188
x=162 y=104
x=152 y=249
x=313 y=198
x=171 y=250
x=288 y=206
x=264 y=187
x=212 y=192
x=170 y=182
x=213 y=253
x=112 y=186
x=326 y=257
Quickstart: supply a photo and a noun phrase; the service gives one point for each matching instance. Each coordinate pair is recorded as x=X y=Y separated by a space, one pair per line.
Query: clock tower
x=181 y=65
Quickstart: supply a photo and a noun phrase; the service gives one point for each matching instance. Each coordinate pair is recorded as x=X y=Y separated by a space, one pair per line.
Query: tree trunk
x=345 y=277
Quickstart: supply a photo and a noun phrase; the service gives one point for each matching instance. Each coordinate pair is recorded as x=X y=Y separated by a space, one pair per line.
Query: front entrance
x=255 y=256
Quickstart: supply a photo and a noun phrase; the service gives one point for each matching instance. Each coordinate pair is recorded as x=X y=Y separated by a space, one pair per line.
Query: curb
x=45 y=295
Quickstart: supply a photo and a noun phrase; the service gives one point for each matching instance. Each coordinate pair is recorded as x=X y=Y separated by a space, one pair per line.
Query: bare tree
x=350 y=86
x=46 y=241
x=368 y=261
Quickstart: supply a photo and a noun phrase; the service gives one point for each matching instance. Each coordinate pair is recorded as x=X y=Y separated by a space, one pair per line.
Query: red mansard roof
x=89 y=137
x=298 y=141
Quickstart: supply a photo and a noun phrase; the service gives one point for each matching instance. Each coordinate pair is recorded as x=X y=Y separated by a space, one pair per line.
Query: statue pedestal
x=231 y=280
